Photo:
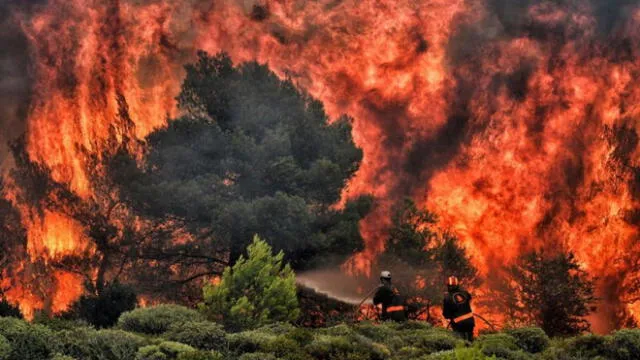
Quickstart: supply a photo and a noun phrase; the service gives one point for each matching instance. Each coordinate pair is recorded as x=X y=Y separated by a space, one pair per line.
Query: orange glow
x=539 y=159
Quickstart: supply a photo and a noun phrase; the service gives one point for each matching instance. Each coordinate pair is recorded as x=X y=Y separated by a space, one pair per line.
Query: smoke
x=15 y=79
x=338 y=285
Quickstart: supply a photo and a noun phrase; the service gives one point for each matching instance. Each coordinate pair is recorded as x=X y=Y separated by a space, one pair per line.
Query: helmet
x=386 y=275
x=452 y=281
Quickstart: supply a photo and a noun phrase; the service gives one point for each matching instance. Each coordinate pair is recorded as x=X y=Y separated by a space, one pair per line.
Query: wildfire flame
x=517 y=124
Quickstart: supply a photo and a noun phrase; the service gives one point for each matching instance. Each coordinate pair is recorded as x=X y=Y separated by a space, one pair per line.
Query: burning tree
x=551 y=291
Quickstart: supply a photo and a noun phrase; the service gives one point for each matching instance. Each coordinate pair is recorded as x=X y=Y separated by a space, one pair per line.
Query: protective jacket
x=393 y=304
x=457 y=309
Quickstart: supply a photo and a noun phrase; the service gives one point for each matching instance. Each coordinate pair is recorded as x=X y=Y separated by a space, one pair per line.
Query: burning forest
x=145 y=142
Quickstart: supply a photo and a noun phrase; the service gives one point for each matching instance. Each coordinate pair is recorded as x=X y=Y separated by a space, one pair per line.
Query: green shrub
x=329 y=347
x=150 y=352
x=500 y=345
x=33 y=342
x=91 y=344
x=472 y=353
x=173 y=349
x=625 y=344
x=103 y=310
x=75 y=342
x=249 y=341
x=5 y=348
x=587 y=346
x=200 y=355
x=157 y=319
x=113 y=345
x=257 y=356
x=62 y=357
x=201 y=334
x=531 y=339
x=258 y=290
x=380 y=333
x=430 y=341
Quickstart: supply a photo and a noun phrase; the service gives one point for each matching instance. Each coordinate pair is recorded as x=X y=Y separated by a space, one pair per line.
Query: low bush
x=531 y=339
x=62 y=357
x=150 y=352
x=429 y=340
x=199 y=334
x=5 y=348
x=380 y=333
x=200 y=355
x=500 y=345
x=103 y=310
x=157 y=319
x=113 y=345
x=91 y=344
x=328 y=347
x=33 y=342
x=625 y=344
x=587 y=346
x=472 y=353
x=257 y=356
x=173 y=349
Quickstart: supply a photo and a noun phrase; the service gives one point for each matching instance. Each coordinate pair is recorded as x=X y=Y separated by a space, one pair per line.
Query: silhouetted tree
x=550 y=291
x=104 y=309
x=252 y=154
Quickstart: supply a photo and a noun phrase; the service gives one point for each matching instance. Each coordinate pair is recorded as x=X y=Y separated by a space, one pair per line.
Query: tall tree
x=551 y=291
x=251 y=155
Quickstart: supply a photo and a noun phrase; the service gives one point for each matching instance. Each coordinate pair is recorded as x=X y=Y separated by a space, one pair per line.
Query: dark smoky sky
x=15 y=79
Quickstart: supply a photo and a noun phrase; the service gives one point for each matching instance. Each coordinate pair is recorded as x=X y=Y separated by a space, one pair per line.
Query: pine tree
x=550 y=291
x=257 y=290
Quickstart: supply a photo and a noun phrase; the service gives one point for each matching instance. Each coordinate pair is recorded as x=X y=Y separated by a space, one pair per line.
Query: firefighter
x=388 y=297
x=457 y=309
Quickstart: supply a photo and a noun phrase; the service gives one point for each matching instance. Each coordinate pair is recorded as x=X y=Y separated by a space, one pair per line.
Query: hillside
x=174 y=332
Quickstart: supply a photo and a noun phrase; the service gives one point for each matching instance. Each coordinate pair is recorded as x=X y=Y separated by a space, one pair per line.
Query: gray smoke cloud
x=15 y=78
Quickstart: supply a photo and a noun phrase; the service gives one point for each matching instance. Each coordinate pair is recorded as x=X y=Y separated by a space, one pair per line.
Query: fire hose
x=357 y=309
x=481 y=318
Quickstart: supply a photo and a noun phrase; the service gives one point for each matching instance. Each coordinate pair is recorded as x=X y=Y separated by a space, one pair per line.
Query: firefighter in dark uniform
x=392 y=303
x=457 y=309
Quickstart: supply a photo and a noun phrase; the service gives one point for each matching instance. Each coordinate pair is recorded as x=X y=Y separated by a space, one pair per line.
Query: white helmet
x=385 y=275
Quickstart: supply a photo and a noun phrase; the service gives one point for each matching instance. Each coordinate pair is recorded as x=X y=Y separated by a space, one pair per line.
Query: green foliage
x=173 y=349
x=625 y=344
x=580 y=347
x=258 y=290
x=501 y=345
x=257 y=356
x=151 y=352
x=34 y=342
x=200 y=355
x=90 y=344
x=112 y=345
x=62 y=357
x=5 y=348
x=472 y=353
x=9 y=310
x=551 y=291
x=199 y=334
x=156 y=319
x=530 y=339
x=251 y=155
x=104 y=309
